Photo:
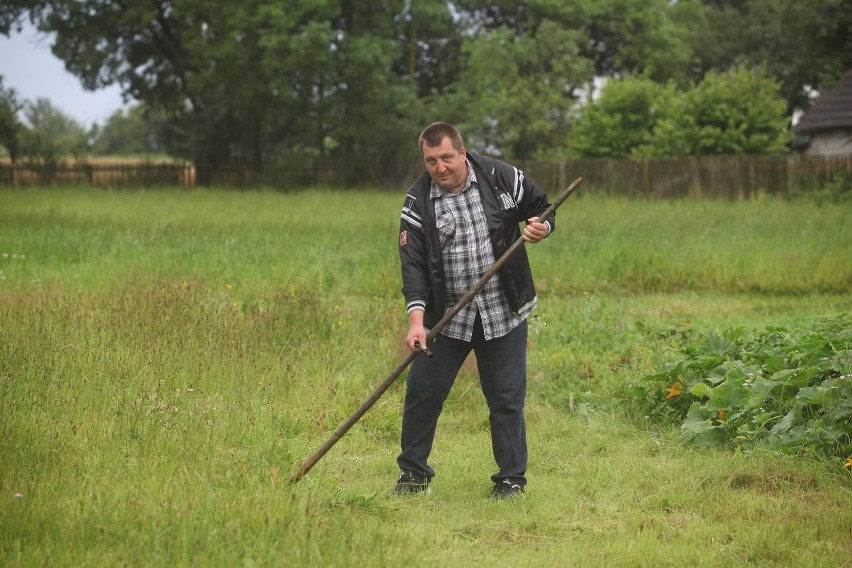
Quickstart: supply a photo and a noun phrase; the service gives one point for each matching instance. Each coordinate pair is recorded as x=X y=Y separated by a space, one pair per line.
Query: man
x=459 y=217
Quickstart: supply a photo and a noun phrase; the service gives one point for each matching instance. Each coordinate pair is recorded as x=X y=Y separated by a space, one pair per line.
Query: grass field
x=168 y=358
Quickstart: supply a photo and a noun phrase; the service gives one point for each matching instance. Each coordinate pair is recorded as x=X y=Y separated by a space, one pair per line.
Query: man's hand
x=416 y=331
x=534 y=231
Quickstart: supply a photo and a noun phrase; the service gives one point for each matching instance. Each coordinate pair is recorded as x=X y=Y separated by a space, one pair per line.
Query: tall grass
x=768 y=245
x=610 y=245
x=168 y=358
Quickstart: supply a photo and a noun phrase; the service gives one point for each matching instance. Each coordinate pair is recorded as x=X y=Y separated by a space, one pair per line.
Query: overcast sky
x=28 y=66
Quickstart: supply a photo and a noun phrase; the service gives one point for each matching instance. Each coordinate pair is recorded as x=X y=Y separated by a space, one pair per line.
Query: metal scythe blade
x=436 y=330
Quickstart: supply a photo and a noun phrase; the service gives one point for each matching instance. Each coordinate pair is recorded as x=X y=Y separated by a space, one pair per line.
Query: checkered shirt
x=468 y=255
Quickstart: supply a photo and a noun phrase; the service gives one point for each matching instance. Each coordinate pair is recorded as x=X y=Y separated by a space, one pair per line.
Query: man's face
x=446 y=165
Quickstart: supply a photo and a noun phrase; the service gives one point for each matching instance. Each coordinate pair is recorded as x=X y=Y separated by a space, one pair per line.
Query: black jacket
x=508 y=199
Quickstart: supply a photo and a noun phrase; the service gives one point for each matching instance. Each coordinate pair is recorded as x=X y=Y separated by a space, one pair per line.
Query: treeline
x=42 y=134
x=264 y=83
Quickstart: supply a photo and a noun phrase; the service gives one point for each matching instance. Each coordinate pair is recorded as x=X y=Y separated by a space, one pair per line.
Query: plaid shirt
x=468 y=255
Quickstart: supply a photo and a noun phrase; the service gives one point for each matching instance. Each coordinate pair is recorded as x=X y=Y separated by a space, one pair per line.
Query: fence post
x=695 y=166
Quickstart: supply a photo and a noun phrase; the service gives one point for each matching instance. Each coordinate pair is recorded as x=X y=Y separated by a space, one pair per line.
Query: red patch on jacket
x=403 y=238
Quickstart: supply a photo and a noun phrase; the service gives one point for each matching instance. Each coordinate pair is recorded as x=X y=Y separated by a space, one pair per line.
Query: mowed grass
x=168 y=358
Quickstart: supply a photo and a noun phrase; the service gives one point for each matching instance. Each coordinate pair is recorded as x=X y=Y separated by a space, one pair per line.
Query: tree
x=619 y=36
x=12 y=13
x=239 y=82
x=131 y=131
x=195 y=61
x=528 y=63
x=804 y=44
x=53 y=135
x=334 y=82
x=516 y=95
x=11 y=129
x=428 y=49
x=523 y=70
x=368 y=92
x=639 y=37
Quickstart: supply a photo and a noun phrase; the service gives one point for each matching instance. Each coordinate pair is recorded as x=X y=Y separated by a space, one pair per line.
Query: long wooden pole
x=433 y=333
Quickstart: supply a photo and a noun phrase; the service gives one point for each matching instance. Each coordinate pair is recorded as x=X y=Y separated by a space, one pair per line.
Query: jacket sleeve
x=412 y=255
x=530 y=199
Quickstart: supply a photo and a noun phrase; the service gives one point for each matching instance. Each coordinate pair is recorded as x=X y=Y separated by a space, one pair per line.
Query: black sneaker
x=506 y=489
x=409 y=483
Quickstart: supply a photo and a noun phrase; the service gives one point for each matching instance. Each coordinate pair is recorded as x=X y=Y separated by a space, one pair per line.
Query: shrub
x=838 y=189
x=733 y=112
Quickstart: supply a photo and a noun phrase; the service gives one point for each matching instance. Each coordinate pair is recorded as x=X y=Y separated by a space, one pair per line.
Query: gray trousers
x=502 y=368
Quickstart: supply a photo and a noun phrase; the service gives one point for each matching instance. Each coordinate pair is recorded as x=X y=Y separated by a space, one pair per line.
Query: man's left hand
x=534 y=231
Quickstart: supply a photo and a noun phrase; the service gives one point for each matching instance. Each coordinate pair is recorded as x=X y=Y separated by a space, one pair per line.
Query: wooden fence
x=716 y=176
x=140 y=174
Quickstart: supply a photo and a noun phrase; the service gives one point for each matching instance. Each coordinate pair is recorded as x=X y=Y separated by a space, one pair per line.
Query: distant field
x=168 y=358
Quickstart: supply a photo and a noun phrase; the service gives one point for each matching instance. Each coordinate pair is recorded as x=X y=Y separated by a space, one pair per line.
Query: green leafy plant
x=838 y=189
x=775 y=388
x=739 y=111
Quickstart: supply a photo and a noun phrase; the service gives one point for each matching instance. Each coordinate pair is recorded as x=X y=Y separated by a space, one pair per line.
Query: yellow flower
x=848 y=464
x=675 y=390
x=228 y=286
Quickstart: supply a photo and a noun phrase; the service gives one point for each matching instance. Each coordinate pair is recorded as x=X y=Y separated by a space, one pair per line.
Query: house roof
x=833 y=109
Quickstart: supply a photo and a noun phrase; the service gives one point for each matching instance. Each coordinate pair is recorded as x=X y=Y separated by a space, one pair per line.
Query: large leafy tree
x=243 y=82
x=524 y=70
x=333 y=78
x=804 y=44
x=639 y=36
x=429 y=45
x=374 y=106
x=161 y=53
x=516 y=95
x=619 y=36
x=528 y=64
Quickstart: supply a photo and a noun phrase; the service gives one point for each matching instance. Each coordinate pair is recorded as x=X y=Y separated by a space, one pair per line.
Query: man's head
x=444 y=155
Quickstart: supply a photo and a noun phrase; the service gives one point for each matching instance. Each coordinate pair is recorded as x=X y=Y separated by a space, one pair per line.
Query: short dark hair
x=435 y=133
